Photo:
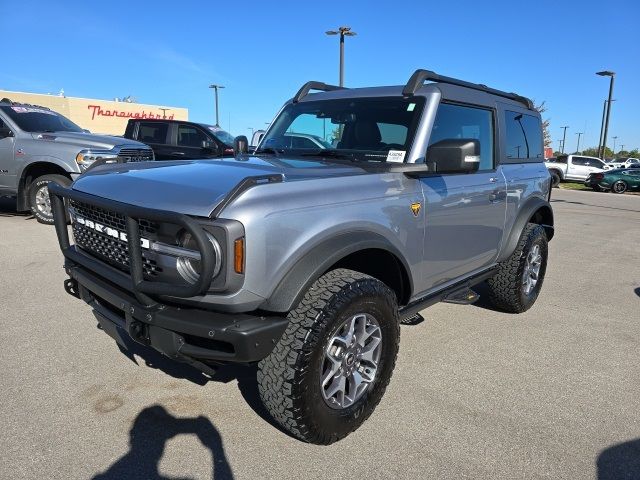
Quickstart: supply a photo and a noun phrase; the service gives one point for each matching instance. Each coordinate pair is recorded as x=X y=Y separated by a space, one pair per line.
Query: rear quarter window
x=523 y=136
x=153 y=132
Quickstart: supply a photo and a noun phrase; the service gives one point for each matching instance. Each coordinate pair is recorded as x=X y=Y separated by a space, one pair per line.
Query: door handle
x=497 y=195
x=493 y=179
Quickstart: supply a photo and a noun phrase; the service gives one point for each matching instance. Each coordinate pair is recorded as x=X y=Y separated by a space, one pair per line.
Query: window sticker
x=32 y=110
x=410 y=107
x=395 y=156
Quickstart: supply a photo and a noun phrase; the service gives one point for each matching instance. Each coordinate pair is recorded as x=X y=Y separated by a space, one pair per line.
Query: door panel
x=464 y=223
x=7 y=161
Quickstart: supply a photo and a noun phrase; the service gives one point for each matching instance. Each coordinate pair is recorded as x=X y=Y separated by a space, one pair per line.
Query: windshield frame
x=15 y=117
x=381 y=156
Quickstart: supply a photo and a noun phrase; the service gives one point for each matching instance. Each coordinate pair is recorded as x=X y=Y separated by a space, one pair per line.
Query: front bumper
x=190 y=335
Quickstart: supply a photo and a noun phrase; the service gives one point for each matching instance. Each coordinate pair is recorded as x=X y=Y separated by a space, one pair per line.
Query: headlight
x=188 y=264
x=86 y=157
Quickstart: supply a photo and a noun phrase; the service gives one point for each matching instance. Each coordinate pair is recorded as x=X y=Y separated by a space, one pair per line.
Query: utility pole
x=216 y=87
x=564 y=137
x=343 y=32
x=612 y=76
x=578 y=146
x=622 y=148
x=614 y=145
x=560 y=145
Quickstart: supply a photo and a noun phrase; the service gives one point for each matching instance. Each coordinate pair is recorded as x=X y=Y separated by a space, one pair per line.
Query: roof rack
x=420 y=76
x=323 y=87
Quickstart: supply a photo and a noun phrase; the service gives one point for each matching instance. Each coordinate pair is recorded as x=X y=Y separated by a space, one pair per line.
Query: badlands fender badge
x=415 y=208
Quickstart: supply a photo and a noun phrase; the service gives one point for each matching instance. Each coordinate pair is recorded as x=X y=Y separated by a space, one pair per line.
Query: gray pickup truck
x=306 y=259
x=38 y=146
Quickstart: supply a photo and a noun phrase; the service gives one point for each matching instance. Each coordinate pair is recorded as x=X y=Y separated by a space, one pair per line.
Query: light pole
x=612 y=76
x=564 y=137
x=578 y=146
x=621 y=148
x=216 y=87
x=343 y=32
x=560 y=145
x=614 y=145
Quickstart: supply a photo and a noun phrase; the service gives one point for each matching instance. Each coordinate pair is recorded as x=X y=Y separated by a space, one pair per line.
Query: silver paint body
x=460 y=229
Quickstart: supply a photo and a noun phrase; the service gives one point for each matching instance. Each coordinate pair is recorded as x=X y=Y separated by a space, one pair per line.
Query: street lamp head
x=350 y=34
x=331 y=32
x=216 y=86
x=606 y=73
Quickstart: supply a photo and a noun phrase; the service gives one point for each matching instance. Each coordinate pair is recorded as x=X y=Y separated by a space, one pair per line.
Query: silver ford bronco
x=358 y=209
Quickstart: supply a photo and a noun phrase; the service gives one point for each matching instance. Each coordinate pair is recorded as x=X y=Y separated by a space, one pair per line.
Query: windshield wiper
x=327 y=152
x=269 y=150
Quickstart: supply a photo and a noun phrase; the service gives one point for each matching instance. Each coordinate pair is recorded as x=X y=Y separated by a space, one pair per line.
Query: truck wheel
x=517 y=284
x=331 y=367
x=555 y=178
x=39 y=202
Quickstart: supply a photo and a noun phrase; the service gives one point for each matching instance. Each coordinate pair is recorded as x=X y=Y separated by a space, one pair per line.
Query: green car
x=618 y=181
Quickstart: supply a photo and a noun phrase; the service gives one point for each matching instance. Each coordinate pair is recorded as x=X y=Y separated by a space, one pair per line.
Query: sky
x=168 y=53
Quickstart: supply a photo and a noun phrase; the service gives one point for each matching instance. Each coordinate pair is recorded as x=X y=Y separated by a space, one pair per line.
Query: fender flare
x=527 y=211
x=22 y=191
x=315 y=262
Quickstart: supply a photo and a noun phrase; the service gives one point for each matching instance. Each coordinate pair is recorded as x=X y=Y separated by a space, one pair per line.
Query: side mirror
x=456 y=155
x=208 y=145
x=5 y=132
x=240 y=145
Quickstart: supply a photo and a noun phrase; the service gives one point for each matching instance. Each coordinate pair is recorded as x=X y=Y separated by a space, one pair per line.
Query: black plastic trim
x=313 y=85
x=420 y=76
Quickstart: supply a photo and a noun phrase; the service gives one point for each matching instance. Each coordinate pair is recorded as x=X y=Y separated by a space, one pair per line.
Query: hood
x=85 y=140
x=196 y=187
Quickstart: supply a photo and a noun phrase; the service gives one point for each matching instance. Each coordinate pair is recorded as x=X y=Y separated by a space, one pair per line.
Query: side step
x=464 y=296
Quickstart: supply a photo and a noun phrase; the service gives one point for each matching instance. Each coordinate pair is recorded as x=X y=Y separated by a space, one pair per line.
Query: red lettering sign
x=96 y=110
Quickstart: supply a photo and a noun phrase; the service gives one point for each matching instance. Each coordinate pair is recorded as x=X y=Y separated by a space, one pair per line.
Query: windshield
x=37 y=119
x=222 y=135
x=379 y=129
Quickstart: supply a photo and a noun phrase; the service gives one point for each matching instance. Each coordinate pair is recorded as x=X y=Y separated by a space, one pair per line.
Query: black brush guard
x=194 y=336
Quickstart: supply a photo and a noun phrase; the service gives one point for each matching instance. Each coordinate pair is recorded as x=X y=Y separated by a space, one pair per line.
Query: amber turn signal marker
x=238 y=255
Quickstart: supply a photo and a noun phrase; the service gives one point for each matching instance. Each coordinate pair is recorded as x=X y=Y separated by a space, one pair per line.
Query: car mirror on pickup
x=208 y=145
x=455 y=155
x=5 y=132
x=240 y=145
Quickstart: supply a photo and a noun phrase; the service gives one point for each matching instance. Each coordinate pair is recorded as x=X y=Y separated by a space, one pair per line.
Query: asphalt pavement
x=552 y=393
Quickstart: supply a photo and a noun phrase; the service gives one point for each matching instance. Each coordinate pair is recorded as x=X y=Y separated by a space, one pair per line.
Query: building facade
x=97 y=116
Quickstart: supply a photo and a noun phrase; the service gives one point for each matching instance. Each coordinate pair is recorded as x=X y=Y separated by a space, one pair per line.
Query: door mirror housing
x=455 y=155
x=240 y=145
x=5 y=132
x=208 y=145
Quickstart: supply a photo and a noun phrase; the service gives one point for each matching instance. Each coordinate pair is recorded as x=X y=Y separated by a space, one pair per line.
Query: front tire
x=620 y=186
x=331 y=367
x=39 y=202
x=516 y=285
x=555 y=178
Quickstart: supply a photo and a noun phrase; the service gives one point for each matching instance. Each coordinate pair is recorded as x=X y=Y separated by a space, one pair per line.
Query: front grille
x=114 y=251
x=135 y=154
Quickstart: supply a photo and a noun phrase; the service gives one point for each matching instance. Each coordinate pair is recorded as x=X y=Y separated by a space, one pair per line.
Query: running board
x=464 y=296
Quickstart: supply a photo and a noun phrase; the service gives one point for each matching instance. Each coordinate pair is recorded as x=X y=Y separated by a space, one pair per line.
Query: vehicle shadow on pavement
x=620 y=461
x=245 y=375
x=151 y=430
x=637 y=291
x=8 y=209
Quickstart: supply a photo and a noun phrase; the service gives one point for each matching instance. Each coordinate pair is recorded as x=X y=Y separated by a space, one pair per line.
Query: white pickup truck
x=623 y=162
x=573 y=167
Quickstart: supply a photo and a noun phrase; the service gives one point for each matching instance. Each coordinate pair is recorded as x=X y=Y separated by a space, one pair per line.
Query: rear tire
x=517 y=284
x=39 y=202
x=297 y=380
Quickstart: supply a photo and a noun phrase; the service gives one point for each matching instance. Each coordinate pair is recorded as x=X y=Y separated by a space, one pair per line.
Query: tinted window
x=153 y=132
x=189 y=136
x=561 y=159
x=39 y=119
x=455 y=121
x=302 y=142
x=579 y=161
x=524 y=135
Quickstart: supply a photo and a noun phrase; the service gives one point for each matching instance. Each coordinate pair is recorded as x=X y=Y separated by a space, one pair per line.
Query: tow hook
x=138 y=331
x=71 y=287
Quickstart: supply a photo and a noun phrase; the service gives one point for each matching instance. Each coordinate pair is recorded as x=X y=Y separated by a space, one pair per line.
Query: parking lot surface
x=552 y=393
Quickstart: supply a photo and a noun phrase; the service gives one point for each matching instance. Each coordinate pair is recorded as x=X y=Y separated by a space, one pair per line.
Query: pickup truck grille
x=135 y=154
x=104 y=246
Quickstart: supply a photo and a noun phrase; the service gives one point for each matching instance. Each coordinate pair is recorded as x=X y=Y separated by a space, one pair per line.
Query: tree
x=541 y=108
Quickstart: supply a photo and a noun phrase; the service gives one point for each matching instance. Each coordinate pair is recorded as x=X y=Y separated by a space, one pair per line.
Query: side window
x=152 y=132
x=524 y=135
x=189 y=136
x=581 y=161
x=561 y=160
x=302 y=142
x=457 y=121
